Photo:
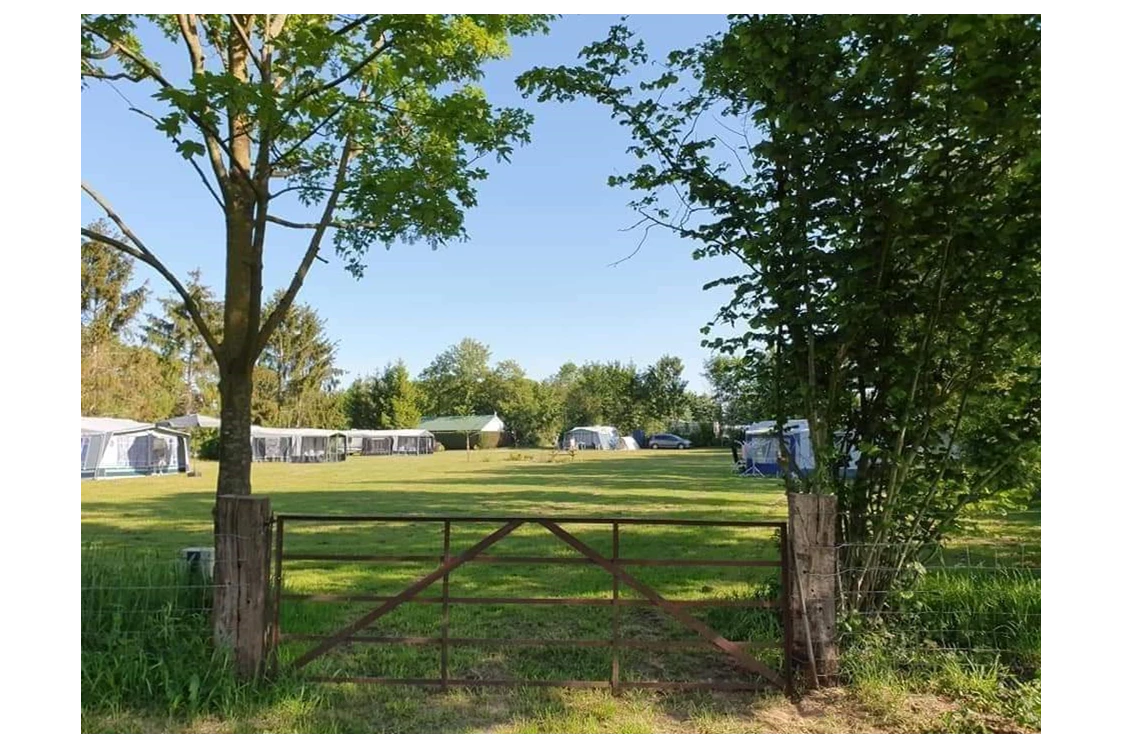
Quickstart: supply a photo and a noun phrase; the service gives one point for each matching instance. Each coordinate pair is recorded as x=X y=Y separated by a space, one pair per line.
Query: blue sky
x=533 y=281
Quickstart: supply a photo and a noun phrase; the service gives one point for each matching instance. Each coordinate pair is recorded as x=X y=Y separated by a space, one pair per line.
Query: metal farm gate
x=757 y=674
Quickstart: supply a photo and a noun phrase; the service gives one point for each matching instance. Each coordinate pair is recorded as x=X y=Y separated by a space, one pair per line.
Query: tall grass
x=973 y=634
x=146 y=640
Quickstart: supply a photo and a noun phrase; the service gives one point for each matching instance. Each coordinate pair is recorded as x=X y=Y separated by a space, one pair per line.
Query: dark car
x=667 y=441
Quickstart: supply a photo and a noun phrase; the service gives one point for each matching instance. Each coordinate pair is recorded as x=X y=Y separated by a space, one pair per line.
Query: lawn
x=155 y=517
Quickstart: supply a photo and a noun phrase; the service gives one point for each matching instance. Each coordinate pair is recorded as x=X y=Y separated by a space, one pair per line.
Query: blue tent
x=761 y=448
x=760 y=451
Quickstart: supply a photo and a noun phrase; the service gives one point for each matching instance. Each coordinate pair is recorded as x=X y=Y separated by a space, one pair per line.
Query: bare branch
x=313 y=226
x=635 y=251
x=99 y=75
x=191 y=159
x=310 y=254
x=142 y=253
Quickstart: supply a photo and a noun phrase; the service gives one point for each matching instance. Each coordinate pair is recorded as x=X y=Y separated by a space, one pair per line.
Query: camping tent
x=390 y=441
x=761 y=448
x=297 y=445
x=191 y=421
x=119 y=448
x=591 y=437
x=628 y=442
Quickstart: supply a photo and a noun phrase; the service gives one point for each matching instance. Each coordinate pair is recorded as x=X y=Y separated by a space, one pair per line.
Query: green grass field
x=174 y=686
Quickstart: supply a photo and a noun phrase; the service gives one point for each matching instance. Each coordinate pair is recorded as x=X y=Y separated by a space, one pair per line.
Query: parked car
x=667 y=441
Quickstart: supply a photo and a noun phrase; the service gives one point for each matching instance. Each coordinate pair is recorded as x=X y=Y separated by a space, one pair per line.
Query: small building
x=459 y=432
x=390 y=442
x=121 y=448
x=591 y=437
x=297 y=445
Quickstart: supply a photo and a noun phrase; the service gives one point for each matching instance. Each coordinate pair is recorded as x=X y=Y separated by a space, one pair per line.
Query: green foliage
x=610 y=393
x=389 y=400
x=118 y=379
x=883 y=197
x=205 y=443
x=126 y=381
x=296 y=374
x=183 y=351
x=108 y=309
x=663 y=389
x=529 y=410
x=454 y=383
x=741 y=386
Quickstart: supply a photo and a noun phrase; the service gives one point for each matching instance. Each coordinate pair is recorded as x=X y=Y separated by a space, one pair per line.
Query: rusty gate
x=737 y=652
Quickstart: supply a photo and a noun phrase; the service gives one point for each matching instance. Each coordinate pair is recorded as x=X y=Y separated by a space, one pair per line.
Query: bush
x=205 y=444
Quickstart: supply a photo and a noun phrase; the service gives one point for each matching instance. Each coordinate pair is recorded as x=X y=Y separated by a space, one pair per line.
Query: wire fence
x=975 y=596
x=138 y=602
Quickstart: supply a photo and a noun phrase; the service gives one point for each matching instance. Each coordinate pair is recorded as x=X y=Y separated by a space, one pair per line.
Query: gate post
x=241 y=580
x=812 y=595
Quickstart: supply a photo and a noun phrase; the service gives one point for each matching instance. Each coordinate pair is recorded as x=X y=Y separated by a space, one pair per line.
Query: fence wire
x=138 y=603
x=977 y=595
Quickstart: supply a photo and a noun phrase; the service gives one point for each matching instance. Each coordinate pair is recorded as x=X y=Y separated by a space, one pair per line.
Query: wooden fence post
x=812 y=595
x=241 y=580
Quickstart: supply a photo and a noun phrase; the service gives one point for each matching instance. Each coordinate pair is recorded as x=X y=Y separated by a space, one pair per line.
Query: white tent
x=390 y=441
x=628 y=442
x=297 y=445
x=591 y=437
x=191 y=421
x=121 y=448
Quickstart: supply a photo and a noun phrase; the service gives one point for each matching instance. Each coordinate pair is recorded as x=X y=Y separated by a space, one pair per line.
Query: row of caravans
x=121 y=448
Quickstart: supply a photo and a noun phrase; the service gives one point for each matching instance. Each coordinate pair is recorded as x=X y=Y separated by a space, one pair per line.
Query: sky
x=533 y=282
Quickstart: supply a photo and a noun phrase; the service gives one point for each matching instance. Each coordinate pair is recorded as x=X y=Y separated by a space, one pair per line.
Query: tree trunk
x=235 y=450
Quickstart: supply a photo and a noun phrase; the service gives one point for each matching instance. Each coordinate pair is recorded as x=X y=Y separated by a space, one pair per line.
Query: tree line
x=151 y=366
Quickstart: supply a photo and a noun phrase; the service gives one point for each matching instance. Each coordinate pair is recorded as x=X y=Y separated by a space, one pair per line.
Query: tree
x=883 y=196
x=300 y=361
x=455 y=382
x=606 y=393
x=181 y=348
x=374 y=121
x=741 y=386
x=107 y=307
x=389 y=400
x=664 y=389
x=120 y=380
x=702 y=408
x=528 y=409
